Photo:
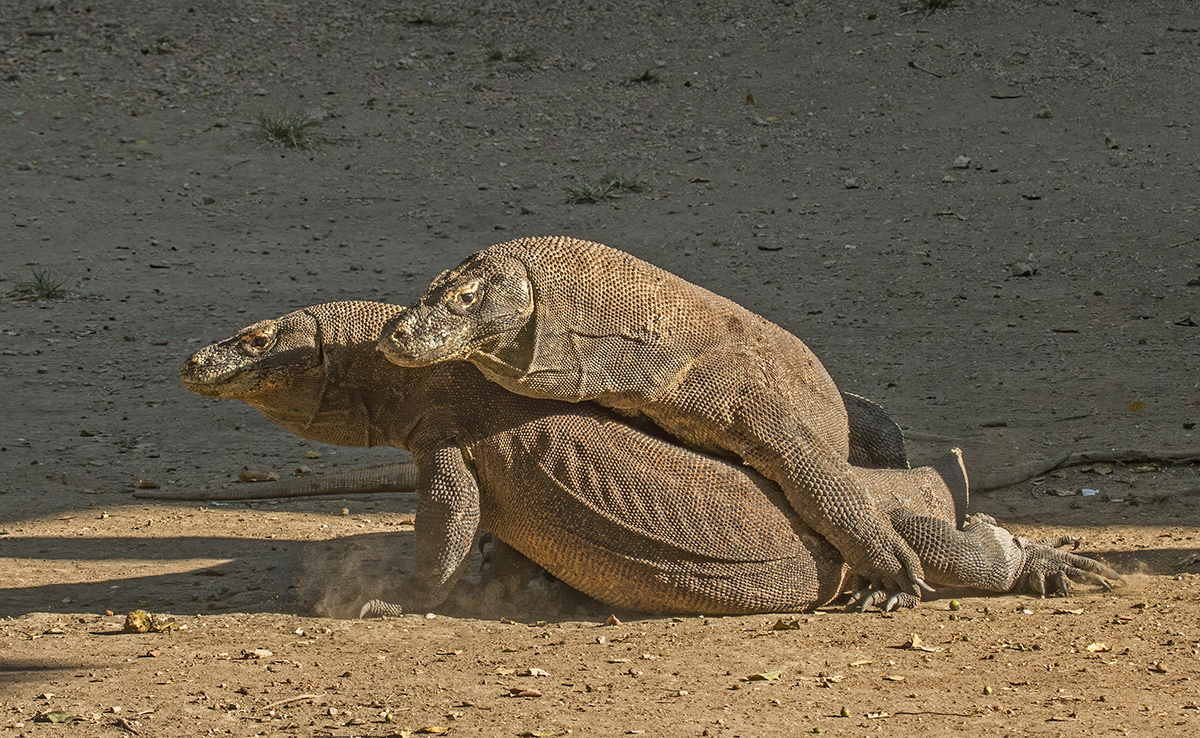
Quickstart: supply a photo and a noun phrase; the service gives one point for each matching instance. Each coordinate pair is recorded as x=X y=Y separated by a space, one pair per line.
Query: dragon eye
x=467 y=297
x=257 y=341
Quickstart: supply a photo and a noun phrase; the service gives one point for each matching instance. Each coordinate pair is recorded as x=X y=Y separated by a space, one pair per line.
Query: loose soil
x=983 y=217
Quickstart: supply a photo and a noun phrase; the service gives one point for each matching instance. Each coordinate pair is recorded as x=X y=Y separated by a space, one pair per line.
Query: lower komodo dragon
x=623 y=516
x=559 y=318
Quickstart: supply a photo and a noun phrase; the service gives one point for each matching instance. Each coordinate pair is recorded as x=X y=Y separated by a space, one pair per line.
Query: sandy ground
x=984 y=218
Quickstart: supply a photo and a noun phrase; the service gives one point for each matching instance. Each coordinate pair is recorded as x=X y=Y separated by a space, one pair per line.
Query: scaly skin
x=612 y=511
x=559 y=318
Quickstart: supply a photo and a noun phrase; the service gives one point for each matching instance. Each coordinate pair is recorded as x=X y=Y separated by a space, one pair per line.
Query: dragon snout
x=401 y=331
x=401 y=339
x=200 y=368
x=189 y=366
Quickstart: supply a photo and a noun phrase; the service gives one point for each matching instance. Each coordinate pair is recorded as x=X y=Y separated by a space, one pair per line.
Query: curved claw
x=865 y=599
x=1062 y=583
x=915 y=575
x=1037 y=583
x=892 y=591
x=379 y=609
x=899 y=600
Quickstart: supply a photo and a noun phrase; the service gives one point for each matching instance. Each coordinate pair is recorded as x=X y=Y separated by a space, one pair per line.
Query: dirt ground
x=984 y=218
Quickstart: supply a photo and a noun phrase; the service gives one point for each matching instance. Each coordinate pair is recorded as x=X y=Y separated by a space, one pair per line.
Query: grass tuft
x=291 y=128
x=608 y=187
x=42 y=285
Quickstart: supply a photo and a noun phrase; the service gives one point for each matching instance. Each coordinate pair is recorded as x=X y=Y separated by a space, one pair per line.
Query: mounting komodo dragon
x=609 y=509
x=559 y=318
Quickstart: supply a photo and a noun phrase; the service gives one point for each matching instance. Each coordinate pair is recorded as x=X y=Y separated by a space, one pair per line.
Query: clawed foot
x=379 y=609
x=888 y=600
x=893 y=576
x=1046 y=570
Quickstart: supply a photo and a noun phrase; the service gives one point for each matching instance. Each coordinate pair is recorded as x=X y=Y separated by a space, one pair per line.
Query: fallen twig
x=298 y=698
x=914 y=65
x=1018 y=474
x=925 y=712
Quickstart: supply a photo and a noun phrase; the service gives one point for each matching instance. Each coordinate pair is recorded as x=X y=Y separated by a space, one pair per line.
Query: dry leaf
x=140 y=621
x=258 y=653
x=1135 y=406
x=861 y=662
x=1099 y=648
x=915 y=644
x=523 y=692
x=137 y=621
x=253 y=475
x=768 y=676
x=894 y=678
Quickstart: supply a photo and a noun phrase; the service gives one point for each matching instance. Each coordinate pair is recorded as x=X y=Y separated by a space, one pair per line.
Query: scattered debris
x=916 y=644
x=140 y=621
x=257 y=653
x=914 y=65
x=252 y=475
x=768 y=676
x=523 y=692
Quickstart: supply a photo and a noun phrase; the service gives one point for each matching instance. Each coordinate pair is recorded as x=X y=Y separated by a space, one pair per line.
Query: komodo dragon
x=559 y=318
x=619 y=514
